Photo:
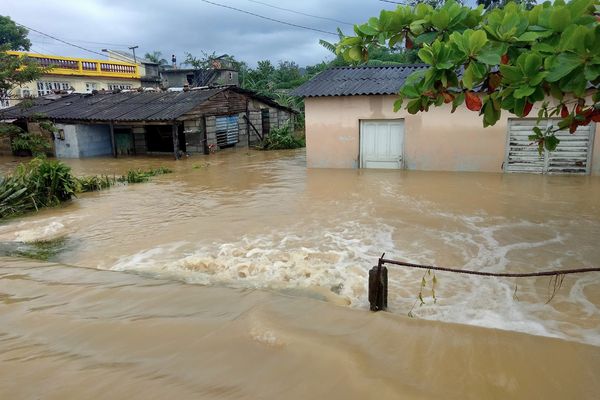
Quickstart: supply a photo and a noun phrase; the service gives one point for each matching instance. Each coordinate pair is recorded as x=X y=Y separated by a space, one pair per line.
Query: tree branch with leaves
x=501 y=59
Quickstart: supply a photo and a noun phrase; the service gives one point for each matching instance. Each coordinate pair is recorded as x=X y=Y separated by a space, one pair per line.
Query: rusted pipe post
x=378 y=287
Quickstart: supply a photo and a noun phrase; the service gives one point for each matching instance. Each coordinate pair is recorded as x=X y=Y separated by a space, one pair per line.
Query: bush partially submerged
x=282 y=138
x=139 y=176
x=47 y=183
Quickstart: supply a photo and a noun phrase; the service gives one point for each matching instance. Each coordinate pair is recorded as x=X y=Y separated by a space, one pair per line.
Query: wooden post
x=175 y=141
x=378 y=288
x=112 y=140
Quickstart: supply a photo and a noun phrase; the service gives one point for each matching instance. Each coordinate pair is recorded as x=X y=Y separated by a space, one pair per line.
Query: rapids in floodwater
x=190 y=321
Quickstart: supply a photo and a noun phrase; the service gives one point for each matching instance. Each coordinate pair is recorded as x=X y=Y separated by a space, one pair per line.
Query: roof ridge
x=384 y=66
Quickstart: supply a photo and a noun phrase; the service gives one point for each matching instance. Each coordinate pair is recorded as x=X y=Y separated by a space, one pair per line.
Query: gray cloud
x=192 y=26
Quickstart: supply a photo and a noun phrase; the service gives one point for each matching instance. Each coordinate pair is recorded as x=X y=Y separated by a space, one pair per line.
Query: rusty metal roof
x=355 y=81
x=121 y=107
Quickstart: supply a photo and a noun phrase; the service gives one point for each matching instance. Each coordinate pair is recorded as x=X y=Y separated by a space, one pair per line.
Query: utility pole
x=133 y=49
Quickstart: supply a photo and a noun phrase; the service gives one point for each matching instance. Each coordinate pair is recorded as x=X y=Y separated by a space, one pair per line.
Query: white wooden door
x=573 y=154
x=381 y=144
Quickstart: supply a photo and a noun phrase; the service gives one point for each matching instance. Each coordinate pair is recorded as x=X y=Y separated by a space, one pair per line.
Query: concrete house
x=80 y=75
x=351 y=123
x=135 y=123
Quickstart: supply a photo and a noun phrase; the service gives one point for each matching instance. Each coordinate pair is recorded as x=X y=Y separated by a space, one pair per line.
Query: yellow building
x=79 y=75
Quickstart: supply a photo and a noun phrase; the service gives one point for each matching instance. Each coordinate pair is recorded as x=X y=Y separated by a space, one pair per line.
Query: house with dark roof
x=141 y=122
x=351 y=123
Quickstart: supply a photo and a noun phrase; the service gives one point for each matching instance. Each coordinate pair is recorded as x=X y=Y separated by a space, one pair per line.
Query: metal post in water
x=378 y=287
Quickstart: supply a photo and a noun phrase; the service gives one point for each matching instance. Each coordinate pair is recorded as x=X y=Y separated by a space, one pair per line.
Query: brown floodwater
x=243 y=275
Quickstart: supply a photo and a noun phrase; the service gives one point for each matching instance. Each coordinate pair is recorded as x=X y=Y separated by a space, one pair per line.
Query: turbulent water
x=203 y=239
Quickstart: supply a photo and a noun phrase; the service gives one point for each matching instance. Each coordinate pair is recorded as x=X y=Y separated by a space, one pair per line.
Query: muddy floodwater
x=242 y=275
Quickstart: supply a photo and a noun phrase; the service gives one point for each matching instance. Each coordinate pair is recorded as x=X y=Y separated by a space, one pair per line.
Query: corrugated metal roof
x=354 y=81
x=124 y=106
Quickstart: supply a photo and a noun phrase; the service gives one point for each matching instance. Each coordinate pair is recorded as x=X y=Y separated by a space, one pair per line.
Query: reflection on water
x=252 y=219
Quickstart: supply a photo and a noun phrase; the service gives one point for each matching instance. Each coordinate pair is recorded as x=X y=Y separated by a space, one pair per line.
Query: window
x=119 y=86
x=25 y=93
x=44 y=88
x=91 y=86
x=227 y=130
x=4 y=99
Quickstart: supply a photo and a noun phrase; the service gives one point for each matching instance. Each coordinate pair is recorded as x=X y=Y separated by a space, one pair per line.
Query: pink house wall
x=435 y=140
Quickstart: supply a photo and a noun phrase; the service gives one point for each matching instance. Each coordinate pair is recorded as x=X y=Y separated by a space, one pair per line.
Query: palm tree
x=156 y=57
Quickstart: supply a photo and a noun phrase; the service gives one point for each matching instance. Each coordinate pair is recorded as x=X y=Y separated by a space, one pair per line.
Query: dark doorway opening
x=266 y=121
x=124 y=141
x=159 y=138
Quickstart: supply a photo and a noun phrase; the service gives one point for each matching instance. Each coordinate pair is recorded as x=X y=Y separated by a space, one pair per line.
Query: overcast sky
x=179 y=26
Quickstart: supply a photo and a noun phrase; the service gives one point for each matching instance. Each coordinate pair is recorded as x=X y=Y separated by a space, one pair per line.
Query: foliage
x=139 y=176
x=506 y=58
x=94 y=183
x=282 y=138
x=12 y=35
x=529 y=4
x=209 y=61
x=15 y=71
x=156 y=57
x=48 y=183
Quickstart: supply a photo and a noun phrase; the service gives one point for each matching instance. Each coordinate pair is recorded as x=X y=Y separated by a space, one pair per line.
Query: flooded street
x=186 y=319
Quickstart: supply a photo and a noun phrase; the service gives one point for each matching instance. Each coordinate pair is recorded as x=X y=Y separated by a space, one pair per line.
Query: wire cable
x=71 y=44
x=269 y=19
x=301 y=13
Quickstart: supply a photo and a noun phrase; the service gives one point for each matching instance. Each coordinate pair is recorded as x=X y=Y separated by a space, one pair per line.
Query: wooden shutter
x=572 y=155
x=227 y=130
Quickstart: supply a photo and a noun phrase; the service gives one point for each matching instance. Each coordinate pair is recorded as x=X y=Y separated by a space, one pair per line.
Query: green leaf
x=413 y=106
x=367 y=30
x=458 y=100
x=426 y=55
x=427 y=37
x=440 y=19
x=523 y=91
x=562 y=65
x=592 y=72
x=477 y=39
x=355 y=53
x=550 y=142
x=560 y=19
x=489 y=56
x=398 y=104
x=533 y=62
x=511 y=74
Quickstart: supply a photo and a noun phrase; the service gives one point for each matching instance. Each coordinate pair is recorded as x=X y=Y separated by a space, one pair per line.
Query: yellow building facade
x=79 y=75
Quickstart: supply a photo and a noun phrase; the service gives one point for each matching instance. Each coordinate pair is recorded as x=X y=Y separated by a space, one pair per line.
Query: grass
x=47 y=183
x=42 y=250
x=282 y=138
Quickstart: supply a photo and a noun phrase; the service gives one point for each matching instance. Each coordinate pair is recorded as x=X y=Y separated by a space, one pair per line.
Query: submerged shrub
x=94 y=183
x=139 y=176
x=282 y=138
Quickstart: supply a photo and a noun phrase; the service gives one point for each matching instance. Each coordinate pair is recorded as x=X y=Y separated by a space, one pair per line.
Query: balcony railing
x=82 y=66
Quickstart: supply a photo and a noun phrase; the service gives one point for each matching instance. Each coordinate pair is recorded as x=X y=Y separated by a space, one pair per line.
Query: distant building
x=138 y=123
x=149 y=70
x=180 y=77
x=76 y=75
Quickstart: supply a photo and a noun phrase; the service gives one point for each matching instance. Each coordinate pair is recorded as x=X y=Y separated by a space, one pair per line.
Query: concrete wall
x=83 y=141
x=434 y=140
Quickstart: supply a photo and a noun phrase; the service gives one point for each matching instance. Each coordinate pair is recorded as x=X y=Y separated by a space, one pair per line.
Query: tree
x=15 y=71
x=507 y=58
x=156 y=57
x=13 y=36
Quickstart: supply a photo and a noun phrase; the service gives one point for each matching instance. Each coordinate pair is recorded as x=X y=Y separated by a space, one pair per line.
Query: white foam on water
x=337 y=258
x=29 y=231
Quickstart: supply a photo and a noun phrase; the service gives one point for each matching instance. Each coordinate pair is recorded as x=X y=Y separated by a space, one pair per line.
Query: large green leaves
x=508 y=57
